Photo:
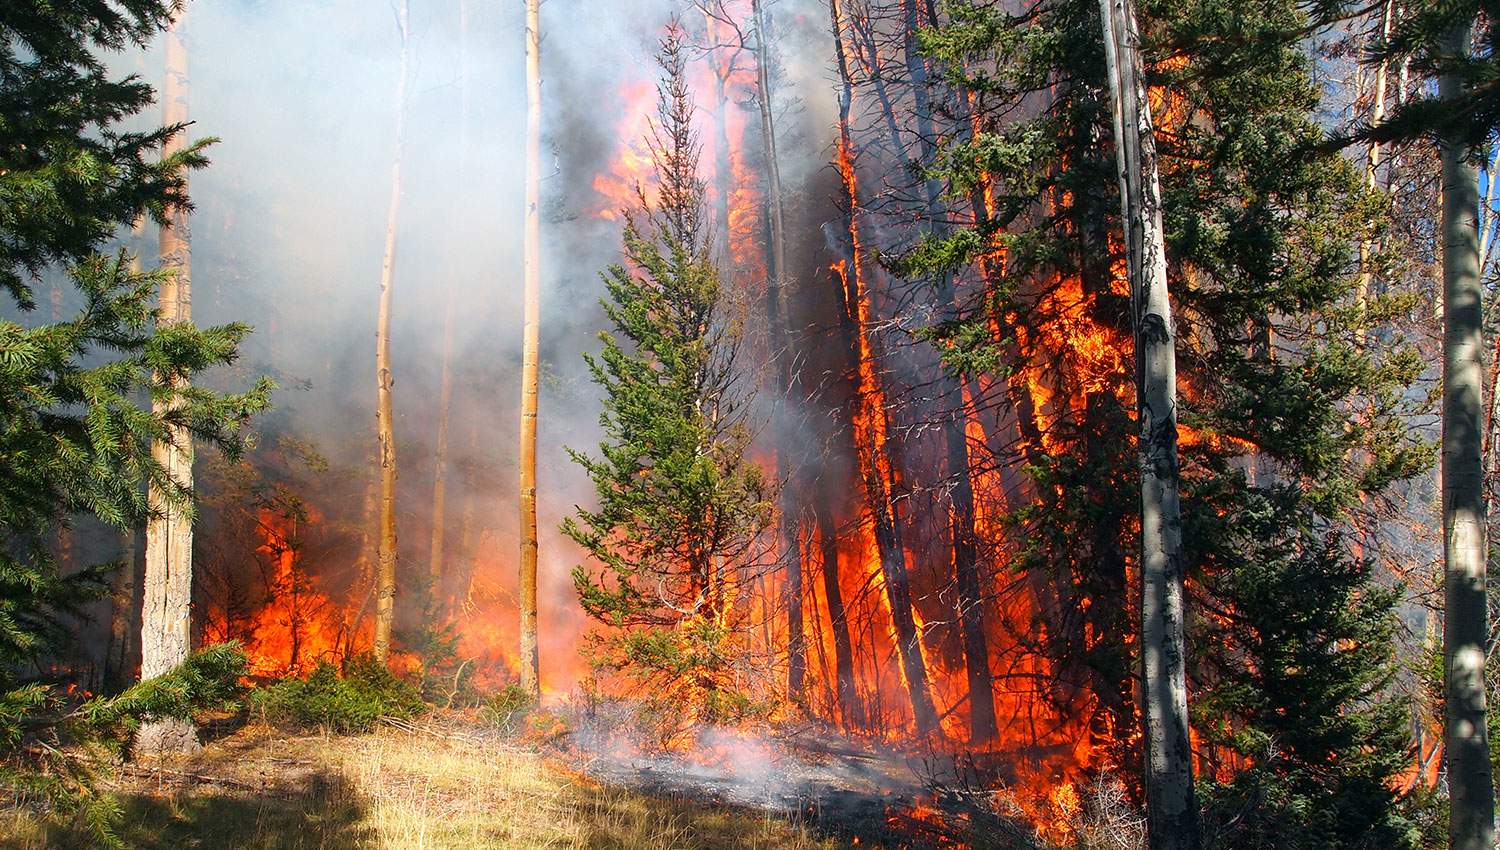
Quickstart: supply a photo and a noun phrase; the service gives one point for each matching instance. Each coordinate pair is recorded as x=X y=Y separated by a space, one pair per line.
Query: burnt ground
x=448 y=780
x=868 y=793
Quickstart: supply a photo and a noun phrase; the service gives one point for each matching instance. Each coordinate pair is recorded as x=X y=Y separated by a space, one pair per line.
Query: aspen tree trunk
x=1171 y=806
x=1372 y=162
x=166 y=611
x=530 y=663
x=866 y=398
x=385 y=569
x=1471 y=824
x=781 y=354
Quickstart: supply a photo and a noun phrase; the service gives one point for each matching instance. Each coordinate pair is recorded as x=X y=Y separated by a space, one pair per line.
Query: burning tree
x=680 y=503
x=1289 y=421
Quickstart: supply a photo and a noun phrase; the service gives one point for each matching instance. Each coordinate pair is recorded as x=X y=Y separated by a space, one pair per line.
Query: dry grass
x=399 y=789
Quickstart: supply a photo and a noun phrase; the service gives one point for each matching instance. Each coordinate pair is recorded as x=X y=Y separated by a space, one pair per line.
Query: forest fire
x=298 y=625
x=879 y=635
x=866 y=498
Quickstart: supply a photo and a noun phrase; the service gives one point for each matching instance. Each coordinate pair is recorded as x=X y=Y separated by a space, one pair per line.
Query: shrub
x=346 y=704
x=443 y=677
x=503 y=709
x=60 y=781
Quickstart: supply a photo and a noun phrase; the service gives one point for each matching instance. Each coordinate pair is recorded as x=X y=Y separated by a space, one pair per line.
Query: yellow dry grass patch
x=398 y=790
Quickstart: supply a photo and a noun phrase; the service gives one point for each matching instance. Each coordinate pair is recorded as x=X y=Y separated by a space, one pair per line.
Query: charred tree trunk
x=122 y=655
x=872 y=446
x=166 y=615
x=781 y=354
x=966 y=566
x=385 y=571
x=530 y=662
x=1171 y=806
x=1471 y=824
x=851 y=707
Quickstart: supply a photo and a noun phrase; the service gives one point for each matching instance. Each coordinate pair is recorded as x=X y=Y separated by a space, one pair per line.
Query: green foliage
x=1298 y=684
x=678 y=501
x=47 y=750
x=1417 y=40
x=443 y=678
x=75 y=437
x=345 y=704
x=209 y=680
x=1281 y=370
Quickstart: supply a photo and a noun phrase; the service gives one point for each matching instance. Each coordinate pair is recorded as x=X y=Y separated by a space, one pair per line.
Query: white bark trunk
x=1171 y=808
x=385 y=572
x=1471 y=823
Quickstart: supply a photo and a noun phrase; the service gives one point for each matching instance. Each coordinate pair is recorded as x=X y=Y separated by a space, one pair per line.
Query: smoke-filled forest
x=748 y=423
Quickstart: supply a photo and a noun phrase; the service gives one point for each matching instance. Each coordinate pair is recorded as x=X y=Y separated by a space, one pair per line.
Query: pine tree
x=75 y=437
x=678 y=501
x=1279 y=402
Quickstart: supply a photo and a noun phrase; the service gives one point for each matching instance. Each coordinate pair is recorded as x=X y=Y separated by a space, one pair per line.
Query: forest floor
x=437 y=783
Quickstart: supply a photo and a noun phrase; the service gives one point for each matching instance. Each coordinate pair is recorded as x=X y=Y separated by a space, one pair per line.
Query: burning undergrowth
x=867 y=793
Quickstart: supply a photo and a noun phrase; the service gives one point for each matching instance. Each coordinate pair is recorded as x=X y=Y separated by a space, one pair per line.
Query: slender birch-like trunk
x=781 y=352
x=166 y=611
x=385 y=570
x=530 y=663
x=1171 y=807
x=1471 y=824
x=1372 y=162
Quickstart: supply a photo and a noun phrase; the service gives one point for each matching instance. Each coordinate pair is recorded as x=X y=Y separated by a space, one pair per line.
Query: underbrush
x=344 y=704
x=440 y=790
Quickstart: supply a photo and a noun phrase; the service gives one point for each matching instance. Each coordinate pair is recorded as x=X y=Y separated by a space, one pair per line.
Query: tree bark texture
x=1471 y=824
x=385 y=568
x=166 y=611
x=530 y=662
x=1171 y=806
